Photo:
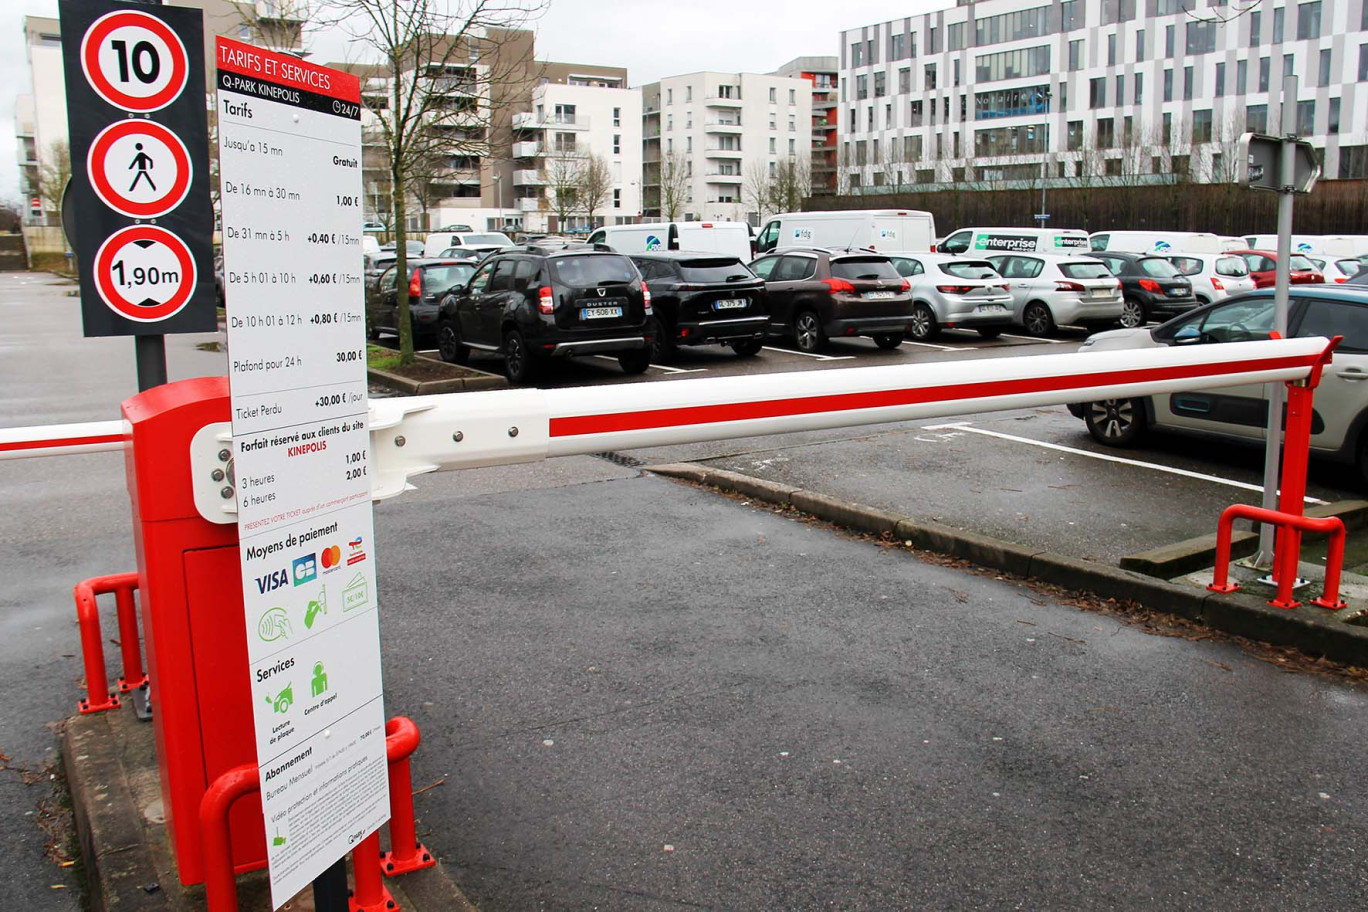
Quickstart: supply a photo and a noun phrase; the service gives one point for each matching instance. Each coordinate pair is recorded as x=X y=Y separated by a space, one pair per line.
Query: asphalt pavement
x=641 y=695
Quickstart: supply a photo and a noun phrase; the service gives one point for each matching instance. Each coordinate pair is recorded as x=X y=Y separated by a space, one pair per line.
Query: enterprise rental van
x=884 y=230
x=731 y=238
x=983 y=241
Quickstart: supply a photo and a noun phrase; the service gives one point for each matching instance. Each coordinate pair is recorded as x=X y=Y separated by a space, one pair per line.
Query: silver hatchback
x=954 y=291
x=1050 y=291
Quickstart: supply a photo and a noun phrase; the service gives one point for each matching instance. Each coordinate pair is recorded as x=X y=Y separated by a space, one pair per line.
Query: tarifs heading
x=271 y=67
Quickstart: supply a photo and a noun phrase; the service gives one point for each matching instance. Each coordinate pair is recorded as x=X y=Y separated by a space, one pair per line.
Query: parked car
x=414 y=248
x=703 y=299
x=1337 y=269
x=489 y=241
x=1339 y=429
x=727 y=238
x=815 y=293
x=538 y=304
x=1151 y=287
x=1049 y=291
x=465 y=253
x=1214 y=276
x=1263 y=265
x=884 y=230
x=429 y=282
x=984 y=241
x=954 y=291
x=374 y=266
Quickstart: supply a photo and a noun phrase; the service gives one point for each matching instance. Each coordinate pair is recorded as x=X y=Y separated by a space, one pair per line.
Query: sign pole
x=150 y=352
x=1276 y=393
x=330 y=888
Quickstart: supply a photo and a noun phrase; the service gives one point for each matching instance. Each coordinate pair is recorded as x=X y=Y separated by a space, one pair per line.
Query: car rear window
x=589 y=271
x=863 y=268
x=1349 y=267
x=1187 y=265
x=719 y=269
x=970 y=269
x=1085 y=270
x=440 y=278
x=1158 y=267
x=1232 y=266
x=495 y=239
x=1300 y=263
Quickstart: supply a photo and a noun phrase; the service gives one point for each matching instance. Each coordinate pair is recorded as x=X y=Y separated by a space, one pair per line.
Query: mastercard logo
x=331 y=557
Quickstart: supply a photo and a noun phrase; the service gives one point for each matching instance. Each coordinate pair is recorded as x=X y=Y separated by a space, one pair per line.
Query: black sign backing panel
x=142 y=68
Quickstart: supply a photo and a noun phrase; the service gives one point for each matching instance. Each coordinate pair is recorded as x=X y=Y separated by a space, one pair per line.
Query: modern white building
x=40 y=116
x=1128 y=90
x=719 y=126
x=578 y=113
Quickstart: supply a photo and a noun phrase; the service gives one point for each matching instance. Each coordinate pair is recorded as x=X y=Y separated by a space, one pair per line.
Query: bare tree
x=757 y=187
x=448 y=64
x=595 y=185
x=563 y=175
x=276 y=24
x=791 y=185
x=53 y=174
x=674 y=185
x=844 y=168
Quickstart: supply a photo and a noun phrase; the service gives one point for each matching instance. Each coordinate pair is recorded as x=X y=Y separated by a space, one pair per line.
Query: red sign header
x=282 y=69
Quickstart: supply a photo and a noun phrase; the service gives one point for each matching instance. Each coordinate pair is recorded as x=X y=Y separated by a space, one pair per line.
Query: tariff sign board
x=289 y=171
x=140 y=177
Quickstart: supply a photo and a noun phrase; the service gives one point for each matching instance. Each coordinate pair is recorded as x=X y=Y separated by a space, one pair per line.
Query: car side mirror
x=1188 y=335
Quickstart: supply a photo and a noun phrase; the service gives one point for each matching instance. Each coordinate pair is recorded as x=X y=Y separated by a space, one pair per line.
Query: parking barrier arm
x=63 y=439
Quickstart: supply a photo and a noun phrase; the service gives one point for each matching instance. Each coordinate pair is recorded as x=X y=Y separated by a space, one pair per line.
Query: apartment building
x=578 y=112
x=717 y=128
x=823 y=74
x=1126 y=90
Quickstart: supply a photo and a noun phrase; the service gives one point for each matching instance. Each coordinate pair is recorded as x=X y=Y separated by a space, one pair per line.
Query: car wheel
x=1038 y=320
x=747 y=348
x=1132 y=314
x=807 y=332
x=635 y=362
x=372 y=331
x=990 y=332
x=1115 y=422
x=662 y=343
x=888 y=341
x=518 y=361
x=922 y=325
x=449 y=344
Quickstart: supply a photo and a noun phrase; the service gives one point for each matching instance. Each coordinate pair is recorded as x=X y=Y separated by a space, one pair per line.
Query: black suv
x=1153 y=288
x=429 y=282
x=532 y=304
x=815 y=293
x=702 y=299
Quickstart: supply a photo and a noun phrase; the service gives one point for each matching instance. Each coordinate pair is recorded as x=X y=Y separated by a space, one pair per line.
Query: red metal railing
x=1287 y=556
x=123 y=585
x=406 y=852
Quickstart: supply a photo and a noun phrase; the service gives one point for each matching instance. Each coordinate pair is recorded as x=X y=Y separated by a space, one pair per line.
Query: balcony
x=282 y=10
x=529 y=204
x=719 y=177
x=719 y=101
x=528 y=178
x=722 y=153
x=527 y=149
x=529 y=120
x=722 y=126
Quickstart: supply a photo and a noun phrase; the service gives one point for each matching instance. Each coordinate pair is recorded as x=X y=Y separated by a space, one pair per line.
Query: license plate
x=990 y=309
x=1178 y=292
x=730 y=304
x=1102 y=292
x=598 y=313
x=879 y=295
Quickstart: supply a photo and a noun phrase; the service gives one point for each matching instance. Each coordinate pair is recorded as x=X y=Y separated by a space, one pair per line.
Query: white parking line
x=1036 y=339
x=946 y=348
x=793 y=351
x=667 y=369
x=966 y=428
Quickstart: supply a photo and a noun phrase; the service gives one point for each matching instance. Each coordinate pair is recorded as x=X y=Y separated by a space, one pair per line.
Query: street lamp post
x=1043 y=215
x=498 y=197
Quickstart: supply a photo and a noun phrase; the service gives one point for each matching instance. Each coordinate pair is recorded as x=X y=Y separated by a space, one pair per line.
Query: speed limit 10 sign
x=140 y=149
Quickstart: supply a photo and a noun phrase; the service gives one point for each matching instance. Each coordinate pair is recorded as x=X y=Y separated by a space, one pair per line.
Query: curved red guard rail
x=1334 y=562
x=220 y=883
x=123 y=585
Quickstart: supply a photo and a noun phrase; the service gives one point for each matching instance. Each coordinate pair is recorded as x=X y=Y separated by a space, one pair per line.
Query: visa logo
x=272 y=581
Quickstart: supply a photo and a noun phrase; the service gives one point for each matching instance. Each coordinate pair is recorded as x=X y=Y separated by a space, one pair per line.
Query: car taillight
x=646 y=297
x=907 y=285
x=1068 y=286
x=839 y=286
x=1216 y=284
x=1149 y=285
x=546 y=302
x=1341 y=280
x=1005 y=287
x=954 y=289
x=416 y=284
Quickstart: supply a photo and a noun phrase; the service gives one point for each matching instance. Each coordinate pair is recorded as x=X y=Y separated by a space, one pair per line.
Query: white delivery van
x=983 y=241
x=1159 y=243
x=484 y=241
x=1328 y=245
x=731 y=238
x=884 y=230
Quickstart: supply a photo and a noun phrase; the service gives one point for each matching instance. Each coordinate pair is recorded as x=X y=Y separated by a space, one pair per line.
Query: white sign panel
x=290 y=178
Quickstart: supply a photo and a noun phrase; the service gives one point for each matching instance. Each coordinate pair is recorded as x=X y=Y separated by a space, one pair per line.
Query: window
x=930 y=73
x=688 y=143
x=897 y=46
x=1168 y=84
x=774 y=121
x=793 y=96
x=1120 y=95
x=1265 y=72
x=1011 y=102
x=857 y=54
x=914 y=118
x=1324 y=67
x=905 y=80
x=1075 y=135
x=1288 y=63
x=1336 y=318
x=1201 y=126
x=793 y=121
x=912 y=148
x=1241 y=76
x=880 y=84
x=956 y=138
x=617 y=199
x=1278 y=25
x=933 y=40
x=1201 y=36
x=773 y=141
x=871 y=57
x=617 y=144
x=1097 y=92
x=1167 y=133
x=1256 y=118
x=1028 y=23
x=957 y=71
x=1106 y=132
x=1306 y=117
x=792 y=149
x=1075 y=55
x=1139 y=87
x=1333 y=126
x=1070 y=16
x=1128 y=131
x=1187 y=83
x=1308 y=20
x=688 y=93
x=1168 y=41
x=1255 y=28
x=774 y=94
x=1140 y=46
x=617 y=117
x=1111 y=49
x=954 y=36
x=1363 y=59
x=1117 y=11
x=1011 y=64
x=869 y=118
x=861 y=87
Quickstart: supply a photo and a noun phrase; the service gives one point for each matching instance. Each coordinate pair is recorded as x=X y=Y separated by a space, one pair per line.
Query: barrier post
x=370 y=894
x=133 y=675
x=406 y=852
x=98 y=696
x=220 y=882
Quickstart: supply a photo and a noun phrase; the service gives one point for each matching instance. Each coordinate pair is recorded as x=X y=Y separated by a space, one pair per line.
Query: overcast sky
x=651 y=40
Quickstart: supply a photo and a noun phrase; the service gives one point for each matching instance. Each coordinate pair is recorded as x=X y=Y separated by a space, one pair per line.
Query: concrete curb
x=483 y=381
x=1312 y=630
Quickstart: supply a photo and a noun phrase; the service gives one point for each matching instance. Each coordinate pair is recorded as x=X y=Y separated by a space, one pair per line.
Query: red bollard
x=1331 y=526
x=370 y=894
x=220 y=883
x=133 y=675
x=406 y=852
x=98 y=697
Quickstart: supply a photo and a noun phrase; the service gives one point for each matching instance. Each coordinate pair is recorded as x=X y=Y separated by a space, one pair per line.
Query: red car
x=1263 y=265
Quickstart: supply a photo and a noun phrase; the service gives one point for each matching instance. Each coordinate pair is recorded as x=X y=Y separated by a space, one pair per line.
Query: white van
x=983 y=241
x=1328 y=245
x=483 y=241
x=730 y=238
x=1159 y=243
x=884 y=230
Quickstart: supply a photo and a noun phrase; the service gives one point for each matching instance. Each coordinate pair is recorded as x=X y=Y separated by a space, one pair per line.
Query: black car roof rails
x=538 y=250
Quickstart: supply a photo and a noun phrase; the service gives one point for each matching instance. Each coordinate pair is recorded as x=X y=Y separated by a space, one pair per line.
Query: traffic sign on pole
x=137 y=122
x=1258 y=158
